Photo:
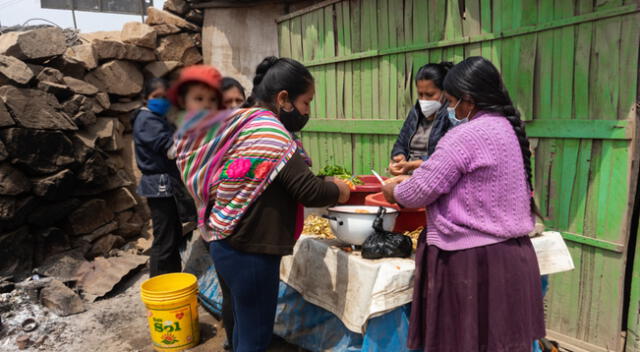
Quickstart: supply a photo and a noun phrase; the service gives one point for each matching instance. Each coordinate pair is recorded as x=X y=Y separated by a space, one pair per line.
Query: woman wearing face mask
x=232 y=93
x=160 y=181
x=426 y=123
x=250 y=179
x=477 y=285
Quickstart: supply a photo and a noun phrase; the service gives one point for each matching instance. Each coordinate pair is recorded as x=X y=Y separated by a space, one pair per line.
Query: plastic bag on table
x=385 y=244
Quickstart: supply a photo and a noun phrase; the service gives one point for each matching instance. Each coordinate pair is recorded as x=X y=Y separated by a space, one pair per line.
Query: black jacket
x=441 y=125
x=153 y=136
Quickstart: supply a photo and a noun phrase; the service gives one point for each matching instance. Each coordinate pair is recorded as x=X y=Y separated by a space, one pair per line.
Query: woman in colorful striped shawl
x=250 y=178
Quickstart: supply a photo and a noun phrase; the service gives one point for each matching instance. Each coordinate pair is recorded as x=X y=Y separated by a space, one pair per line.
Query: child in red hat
x=197 y=88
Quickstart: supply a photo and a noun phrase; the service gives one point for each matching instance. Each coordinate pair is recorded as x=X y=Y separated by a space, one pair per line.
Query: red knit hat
x=204 y=74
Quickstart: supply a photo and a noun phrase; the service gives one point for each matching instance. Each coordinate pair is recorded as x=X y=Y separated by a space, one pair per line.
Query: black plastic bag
x=385 y=244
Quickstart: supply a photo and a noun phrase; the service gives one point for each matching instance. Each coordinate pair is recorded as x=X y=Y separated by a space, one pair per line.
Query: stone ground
x=115 y=324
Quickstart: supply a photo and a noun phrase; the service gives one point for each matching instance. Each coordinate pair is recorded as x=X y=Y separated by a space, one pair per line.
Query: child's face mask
x=159 y=106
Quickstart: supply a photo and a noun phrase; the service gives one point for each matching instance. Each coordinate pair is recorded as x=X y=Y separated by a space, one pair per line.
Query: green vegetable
x=333 y=170
x=341 y=173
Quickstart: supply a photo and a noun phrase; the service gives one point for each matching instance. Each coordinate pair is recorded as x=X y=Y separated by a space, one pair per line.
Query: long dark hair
x=435 y=73
x=478 y=80
x=274 y=75
x=229 y=82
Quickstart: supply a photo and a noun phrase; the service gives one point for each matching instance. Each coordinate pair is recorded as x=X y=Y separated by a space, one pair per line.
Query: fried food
x=315 y=225
x=414 y=235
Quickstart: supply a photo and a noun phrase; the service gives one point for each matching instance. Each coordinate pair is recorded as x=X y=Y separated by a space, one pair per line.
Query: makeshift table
x=333 y=300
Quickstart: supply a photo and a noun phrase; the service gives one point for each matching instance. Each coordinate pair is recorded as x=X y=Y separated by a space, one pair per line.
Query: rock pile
x=67 y=174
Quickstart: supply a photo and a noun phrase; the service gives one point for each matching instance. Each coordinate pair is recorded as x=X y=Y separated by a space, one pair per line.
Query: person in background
x=232 y=93
x=250 y=181
x=426 y=122
x=153 y=139
x=477 y=283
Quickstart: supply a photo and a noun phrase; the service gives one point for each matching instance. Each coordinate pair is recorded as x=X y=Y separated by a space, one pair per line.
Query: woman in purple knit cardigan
x=477 y=283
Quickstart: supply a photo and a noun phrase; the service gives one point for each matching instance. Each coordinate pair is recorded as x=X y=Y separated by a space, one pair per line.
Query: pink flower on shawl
x=239 y=168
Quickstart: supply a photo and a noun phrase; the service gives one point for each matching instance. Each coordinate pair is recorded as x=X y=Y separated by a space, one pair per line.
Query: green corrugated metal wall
x=570 y=66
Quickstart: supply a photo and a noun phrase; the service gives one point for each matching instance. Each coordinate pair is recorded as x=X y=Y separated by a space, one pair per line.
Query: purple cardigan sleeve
x=433 y=178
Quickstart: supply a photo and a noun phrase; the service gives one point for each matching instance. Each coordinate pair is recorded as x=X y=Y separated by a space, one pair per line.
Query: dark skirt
x=480 y=299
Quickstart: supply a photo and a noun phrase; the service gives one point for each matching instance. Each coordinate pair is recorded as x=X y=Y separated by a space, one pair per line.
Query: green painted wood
x=628 y=87
x=393 y=84
x=341 y=45
x=436 y=20
x=577 y=110
x=296 y=38
x=483 y=38
x=486 y=25
x=472 y=26
x=331 y=100
x=340 y=90
x=407 y=18
x=539 y=128
x=346 y=25
x=420 y=18
x=376 y=101
x=633 y=321
x=284 y=38
x=348 y=90
x=577 y=207
x=523 y=95
x=385 y=88
x=497 y=27
x=357 y=92
x=408 y=97
x=322 y=79
x=592 y=242
x=366 y=99
x=310 y=36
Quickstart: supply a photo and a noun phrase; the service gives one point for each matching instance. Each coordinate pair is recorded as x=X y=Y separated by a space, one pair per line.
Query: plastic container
x=408 y=220
x=371 y=185
x=172 y=311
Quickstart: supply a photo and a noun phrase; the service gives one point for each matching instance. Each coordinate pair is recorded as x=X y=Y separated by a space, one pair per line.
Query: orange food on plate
x=362 y=211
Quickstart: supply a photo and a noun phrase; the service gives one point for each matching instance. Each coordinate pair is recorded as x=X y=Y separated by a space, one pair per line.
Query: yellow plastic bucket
x=172 y=311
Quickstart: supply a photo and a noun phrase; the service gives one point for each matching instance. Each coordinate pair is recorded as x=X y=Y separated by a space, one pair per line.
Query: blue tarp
x=315 y=329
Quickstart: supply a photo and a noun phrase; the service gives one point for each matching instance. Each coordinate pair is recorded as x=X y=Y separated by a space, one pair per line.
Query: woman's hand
x=408 y=167
x=396 y=165
x=390 y=185
x=345 y=190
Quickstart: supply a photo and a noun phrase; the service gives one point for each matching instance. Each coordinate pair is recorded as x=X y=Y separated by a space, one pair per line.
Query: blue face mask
x=453 y=118
x=159 y=106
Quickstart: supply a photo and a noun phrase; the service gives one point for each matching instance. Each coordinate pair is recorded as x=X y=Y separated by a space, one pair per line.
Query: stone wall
x=67 y=169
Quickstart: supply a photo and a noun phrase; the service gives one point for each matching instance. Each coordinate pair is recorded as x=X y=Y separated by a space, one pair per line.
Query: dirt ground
x=117 y=323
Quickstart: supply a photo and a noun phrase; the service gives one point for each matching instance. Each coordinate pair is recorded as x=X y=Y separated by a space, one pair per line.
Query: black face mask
x=293 y=120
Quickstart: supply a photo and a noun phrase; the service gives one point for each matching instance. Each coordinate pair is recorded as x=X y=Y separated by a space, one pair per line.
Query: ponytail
x=274 y=75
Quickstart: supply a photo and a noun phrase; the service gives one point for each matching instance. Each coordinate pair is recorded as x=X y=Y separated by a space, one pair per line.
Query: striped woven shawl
x=227 y=160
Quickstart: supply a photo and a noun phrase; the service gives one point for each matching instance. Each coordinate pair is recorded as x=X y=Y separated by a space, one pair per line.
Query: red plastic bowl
x=371 y=185
x=408 y=220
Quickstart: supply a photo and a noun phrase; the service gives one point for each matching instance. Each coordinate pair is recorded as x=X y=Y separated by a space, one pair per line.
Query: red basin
x=408 y=220
x=358 y=195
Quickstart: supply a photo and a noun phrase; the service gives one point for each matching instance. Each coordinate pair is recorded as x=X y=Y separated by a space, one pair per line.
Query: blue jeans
x=253 y=281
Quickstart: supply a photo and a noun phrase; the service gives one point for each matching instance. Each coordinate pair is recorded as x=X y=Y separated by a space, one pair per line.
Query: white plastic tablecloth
x=352 y=288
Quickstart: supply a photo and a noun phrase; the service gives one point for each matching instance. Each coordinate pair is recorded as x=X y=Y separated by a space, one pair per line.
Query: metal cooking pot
x=353 y=223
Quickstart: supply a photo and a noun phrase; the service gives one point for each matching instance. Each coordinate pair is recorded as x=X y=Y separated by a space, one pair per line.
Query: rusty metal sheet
x=99 y=277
